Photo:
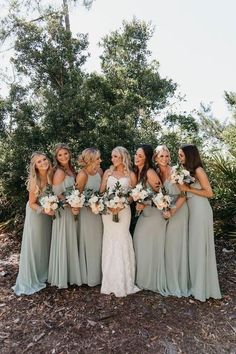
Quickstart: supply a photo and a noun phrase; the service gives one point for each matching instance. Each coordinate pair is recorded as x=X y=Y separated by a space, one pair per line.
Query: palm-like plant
x=223 y=174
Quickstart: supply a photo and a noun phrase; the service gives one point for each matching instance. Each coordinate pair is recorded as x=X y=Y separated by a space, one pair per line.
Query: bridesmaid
x=149 y=233
x=34 y=257
x=202 y=261
x=90 y=224
x=176 y=239
x=64 y=264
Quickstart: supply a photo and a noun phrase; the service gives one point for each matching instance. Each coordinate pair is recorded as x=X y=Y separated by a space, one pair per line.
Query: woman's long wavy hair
x=192 y=158
x=87 y=157
x=33 y=181
x=57 y=164
x=148 y=152
x=125 y=159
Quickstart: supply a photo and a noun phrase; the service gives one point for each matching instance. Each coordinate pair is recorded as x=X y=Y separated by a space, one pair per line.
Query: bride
x=118 y=263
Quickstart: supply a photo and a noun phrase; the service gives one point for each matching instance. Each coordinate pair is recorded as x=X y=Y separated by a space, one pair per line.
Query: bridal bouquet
x=181 y=176
x=116 y=198
x=96 y=203
x=162 y=200
x=74 y=198
x=50 y=202
x=141 y=195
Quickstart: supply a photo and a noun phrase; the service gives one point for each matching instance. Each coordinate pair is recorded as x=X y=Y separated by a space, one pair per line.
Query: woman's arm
x=36 y=207
x=81 y=180
x=153 y=180
x=180 y=201
x=58 y=178
x=133 y=179
x=33 y=202
x=205 y=191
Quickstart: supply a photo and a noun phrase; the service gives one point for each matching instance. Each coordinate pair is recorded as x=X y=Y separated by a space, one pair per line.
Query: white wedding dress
x=118 y=260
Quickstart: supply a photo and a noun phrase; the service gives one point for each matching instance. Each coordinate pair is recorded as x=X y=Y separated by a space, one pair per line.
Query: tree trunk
x=67 y=19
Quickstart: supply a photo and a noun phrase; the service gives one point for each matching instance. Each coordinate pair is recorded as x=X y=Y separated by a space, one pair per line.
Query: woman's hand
x=140 y=207
x=75 y=211
x=115 y=210
x=49 y=212
x=183 y=187
x=167 y=214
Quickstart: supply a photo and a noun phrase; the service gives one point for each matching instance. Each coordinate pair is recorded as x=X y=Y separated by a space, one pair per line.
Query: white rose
x=54 y=206
x=143 y=194
x=111 y=204
x=186 y=173
x=94 y=199
x=117 y=199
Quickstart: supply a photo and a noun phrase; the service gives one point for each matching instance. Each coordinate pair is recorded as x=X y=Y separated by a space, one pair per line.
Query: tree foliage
x=52 y=99
x=220 y=146
x=138 y=92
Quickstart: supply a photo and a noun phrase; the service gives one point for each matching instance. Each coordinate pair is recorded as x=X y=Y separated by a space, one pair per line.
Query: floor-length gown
x=176 y=247
x=118 y=260
x=90 y=231
x=64 y=266
x=149 y=246
x=202 y=260
x=34 y=256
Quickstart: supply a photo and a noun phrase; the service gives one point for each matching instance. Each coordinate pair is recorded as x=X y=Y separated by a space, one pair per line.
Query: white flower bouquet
x=162 y=200
x=117 y=198
x=96 y=203
x=181 y=175
x=141 y=195
x=50 y=202
x=75 y=199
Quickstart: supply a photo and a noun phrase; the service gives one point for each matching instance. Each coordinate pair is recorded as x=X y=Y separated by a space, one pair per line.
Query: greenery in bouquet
x=50 y=202
x=116 y=198
x=96 y=203
x=162 y=200
x=141 y=195
x=74 y=198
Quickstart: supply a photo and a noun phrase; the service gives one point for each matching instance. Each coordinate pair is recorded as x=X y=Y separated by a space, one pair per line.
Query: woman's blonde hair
x=87 y=157
x=158 y=149
x=125 y=157
x=57 y=164
x=33 y=182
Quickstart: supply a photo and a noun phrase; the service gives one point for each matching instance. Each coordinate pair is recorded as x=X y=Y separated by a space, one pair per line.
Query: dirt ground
x=81 y=320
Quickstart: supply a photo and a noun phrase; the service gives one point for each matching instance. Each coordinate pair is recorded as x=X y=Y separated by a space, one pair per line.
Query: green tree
x=178 y=129
x=45 y=104
x=53 y=99
x=34 y=11
x=220 y=147
x=229 y=133
x=137 y=92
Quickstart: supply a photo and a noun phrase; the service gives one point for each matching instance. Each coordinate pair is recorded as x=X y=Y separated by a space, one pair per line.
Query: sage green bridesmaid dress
x=90 y=230
x=202 y=260
x=34 y=256
x=149 y=246
x=64 y=266
x=176 y=247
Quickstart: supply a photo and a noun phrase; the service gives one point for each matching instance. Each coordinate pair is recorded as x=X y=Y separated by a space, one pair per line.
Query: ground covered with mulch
x=81 y=320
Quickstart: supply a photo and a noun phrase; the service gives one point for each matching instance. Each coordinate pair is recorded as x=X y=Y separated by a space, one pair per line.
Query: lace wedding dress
x=118 y=261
